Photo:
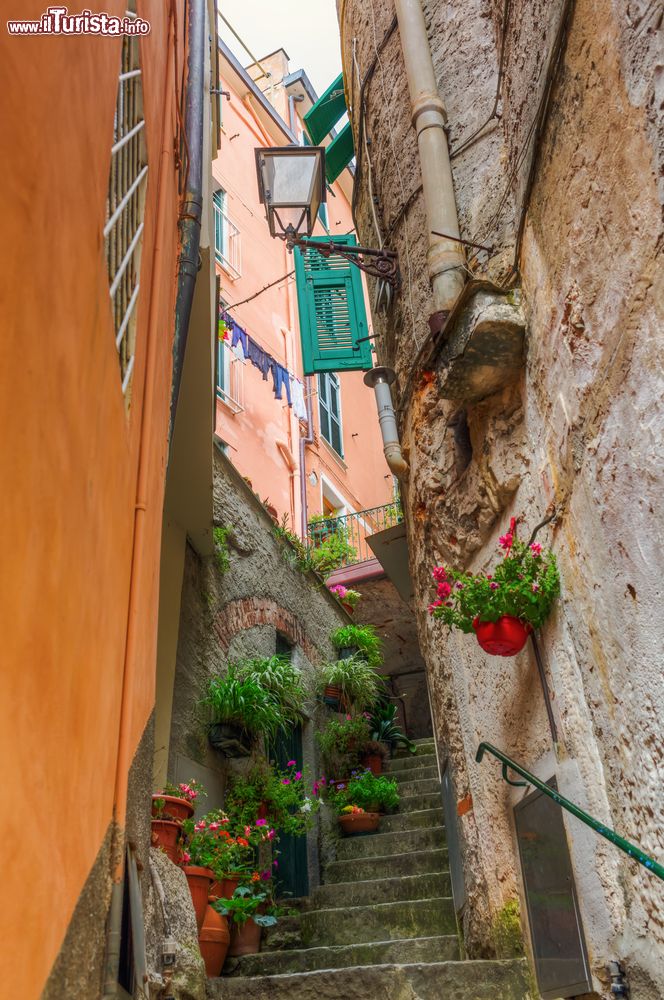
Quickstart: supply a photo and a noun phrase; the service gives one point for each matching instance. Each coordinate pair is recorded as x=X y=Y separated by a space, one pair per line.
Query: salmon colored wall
x=271 y=319
x=69 y=460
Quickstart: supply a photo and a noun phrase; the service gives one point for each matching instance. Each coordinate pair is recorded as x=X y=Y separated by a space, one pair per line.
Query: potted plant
x=213 y=940
x=502 y=607
x=371 y=793
x=355 y=821
x=342 y=744
x=197 y=860
x=348 y=598
x=347 y=683
x=283 y=681
x=374 y=756
x=240 y=710
x=359 y=640
x=384 y=728
x=244 y=908
x=272 y=796
x=176 y=802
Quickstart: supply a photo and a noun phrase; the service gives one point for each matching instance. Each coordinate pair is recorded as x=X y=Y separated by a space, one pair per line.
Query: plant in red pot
x=250 y=910
x=374 y=756
x=354 y=821
x=502 y=607
x=268 y=795
x=348 y=598
x=169 y=810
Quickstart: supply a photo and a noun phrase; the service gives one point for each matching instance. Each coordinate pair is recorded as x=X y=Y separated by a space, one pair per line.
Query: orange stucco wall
x=69 y=463
x=254 y=434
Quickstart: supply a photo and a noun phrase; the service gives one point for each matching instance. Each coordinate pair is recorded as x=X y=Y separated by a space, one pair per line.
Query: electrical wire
x=277 y=281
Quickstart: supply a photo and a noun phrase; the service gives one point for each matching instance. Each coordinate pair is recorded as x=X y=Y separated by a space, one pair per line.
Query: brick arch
x=247 y=612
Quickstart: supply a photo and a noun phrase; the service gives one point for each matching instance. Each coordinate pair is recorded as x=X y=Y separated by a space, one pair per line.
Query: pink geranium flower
x=291 y=763
x=261 y=822
x=186 y=857
x=444 y=589
x=506 y=541
x=298 y=775
x=536 y=549
x=285 y=781
x=439 y=574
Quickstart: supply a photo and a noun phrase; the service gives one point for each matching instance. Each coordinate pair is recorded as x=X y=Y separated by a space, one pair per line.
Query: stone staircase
x=382 y=926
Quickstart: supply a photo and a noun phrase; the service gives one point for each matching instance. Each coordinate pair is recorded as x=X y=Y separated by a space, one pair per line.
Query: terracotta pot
x=506 y=637
x=165 y=834
x=350 y=608
x=174 y=808
x=199 y=880
x=213 y=940
x=353 y=823
x=225 y=887
x=245 y=938
x=261 y=812
x=332 y=696
x=374 y=762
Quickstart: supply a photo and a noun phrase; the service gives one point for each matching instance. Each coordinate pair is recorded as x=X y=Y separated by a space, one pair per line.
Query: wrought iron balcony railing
x=348 y=534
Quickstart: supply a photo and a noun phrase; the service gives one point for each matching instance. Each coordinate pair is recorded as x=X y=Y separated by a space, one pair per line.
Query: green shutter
x=326 y=112
x=330 y=303
x=339 y=153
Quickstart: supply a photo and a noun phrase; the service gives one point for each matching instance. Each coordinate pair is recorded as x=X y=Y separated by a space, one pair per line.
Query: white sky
x=307 y=29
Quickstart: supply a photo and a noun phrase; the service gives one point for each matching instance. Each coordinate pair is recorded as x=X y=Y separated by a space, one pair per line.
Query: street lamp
x=291 y=185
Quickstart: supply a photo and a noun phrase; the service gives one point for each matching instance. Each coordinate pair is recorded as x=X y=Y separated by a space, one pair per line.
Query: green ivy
x=221 y=549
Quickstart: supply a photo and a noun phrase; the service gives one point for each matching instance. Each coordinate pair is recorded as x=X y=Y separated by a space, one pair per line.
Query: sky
x=307 y=29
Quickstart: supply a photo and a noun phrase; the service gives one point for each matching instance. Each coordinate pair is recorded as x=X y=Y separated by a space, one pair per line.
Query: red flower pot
x=354 y=823
x=261 y=812
x=245 y=938
x=199 y=880
x=332 y=696
x=174 y=808
x=165 y=834
x=374 y=762
x=506 y=637
x=225 y=887
x=350 y=608
x=213 y=940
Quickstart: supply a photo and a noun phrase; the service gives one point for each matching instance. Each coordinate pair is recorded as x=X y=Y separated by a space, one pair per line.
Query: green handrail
x=604 y=831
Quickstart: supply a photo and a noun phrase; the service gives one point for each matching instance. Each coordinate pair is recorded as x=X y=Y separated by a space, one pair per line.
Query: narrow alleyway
x=382 y=924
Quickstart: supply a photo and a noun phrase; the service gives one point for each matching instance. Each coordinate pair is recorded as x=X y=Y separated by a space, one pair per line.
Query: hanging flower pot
x=165 y=834
x=231 y=741
x=354 y=823
x=199 y=880
x=506 y=637
x=170 y=807
x=214 y=940
x=245 y=938
x=332 y=696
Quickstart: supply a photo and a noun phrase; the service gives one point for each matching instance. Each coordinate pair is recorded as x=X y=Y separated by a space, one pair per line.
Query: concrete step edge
x=394 y=905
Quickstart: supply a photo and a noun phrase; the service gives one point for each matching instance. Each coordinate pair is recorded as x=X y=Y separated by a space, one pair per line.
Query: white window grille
x=230 y=377
x=125 y=207
x=227 y=243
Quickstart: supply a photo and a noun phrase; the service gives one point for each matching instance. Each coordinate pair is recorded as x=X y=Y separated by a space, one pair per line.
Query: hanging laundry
x=297 y=393
x=282 y=379
x=239 y=342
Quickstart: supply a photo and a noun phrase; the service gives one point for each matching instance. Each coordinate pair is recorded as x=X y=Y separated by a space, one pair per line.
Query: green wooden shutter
x=333 y=318
x=319 y=122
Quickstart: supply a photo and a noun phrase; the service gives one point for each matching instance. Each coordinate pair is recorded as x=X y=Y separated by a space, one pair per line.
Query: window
x=226 y=237
x=125 y=207
x=329 y=410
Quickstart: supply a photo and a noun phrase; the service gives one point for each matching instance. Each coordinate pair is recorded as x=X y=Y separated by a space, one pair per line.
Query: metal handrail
x=604 y=831
x=355 y=528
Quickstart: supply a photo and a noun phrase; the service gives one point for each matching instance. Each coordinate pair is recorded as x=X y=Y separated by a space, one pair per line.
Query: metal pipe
x=189 y=222
x=380 y=379
x=445 y=258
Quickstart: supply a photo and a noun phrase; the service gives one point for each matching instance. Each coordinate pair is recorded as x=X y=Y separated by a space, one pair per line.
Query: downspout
x=445 y=258
x=189 y=222
x=380 y=379
x=306 y=439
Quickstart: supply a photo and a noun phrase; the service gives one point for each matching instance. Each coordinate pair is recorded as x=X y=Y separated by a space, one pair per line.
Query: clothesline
x=246 y=348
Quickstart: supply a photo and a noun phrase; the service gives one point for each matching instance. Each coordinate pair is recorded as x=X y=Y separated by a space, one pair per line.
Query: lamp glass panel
x=291 y=180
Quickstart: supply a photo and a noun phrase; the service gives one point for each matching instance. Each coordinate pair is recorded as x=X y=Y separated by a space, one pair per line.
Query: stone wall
x=581 y=429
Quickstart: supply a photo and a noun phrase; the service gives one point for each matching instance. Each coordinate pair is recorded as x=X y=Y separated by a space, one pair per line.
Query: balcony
x=227 y=243
x=351 y=531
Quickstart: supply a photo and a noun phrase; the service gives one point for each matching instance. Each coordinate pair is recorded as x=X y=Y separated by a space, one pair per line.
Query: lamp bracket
x=382 y=264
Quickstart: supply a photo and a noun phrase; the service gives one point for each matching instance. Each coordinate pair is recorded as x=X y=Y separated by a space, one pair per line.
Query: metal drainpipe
x=445 y=259
x=192 y=207
x=304 y=441
x=380 y=379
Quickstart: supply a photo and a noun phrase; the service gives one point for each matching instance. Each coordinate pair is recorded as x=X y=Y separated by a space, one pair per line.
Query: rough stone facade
x=582 y=428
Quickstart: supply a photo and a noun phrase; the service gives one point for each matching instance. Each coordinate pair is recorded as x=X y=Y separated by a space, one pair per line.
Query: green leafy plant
x=189 y=791
x=295 y=552
x=367 y=791
x=245 y=904
x=357 y=679
x=222 y=843
x=281 y=793
x=284 y=682
x=525 y=585
x=221 y=550
x=342 y=743
x=344 y=595
x=384 y=728
x=360 y=637
x=332 y=552
x=241 y=701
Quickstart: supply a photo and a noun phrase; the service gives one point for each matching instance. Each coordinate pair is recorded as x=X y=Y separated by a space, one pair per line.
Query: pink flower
x=459 y=586
x=315 y=788
x=322 y=779
x=200 y=825
x=291 y=763
x=348 y=718
x=444 y=589
x=186 y=857
x=536 y=549
x=266 y=876
x=275 y=863
x=192 y=795
x=270 y=834
x=247 y=831
x=261 y=822
x=285 y=781
x=439 y=574
x=494 y=586
x=505 y=541
x=298 y=775
x=213 y=826
x=432 y=607
x=535 y=588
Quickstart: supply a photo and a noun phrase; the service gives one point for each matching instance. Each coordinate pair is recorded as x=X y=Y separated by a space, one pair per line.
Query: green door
x=292 y=874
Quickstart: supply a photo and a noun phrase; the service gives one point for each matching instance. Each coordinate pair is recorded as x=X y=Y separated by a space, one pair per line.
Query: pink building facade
x=322 y=453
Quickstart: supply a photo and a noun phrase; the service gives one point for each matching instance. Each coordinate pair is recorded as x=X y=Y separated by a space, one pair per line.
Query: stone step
x=437 y=980
x=388 y=866
x=287 y=933
x=417 y=774
x=422 y=786
x=378 y=844
x=381 y=922
x=415 y=803
x=341 y=895
x=412 y=820
x=398 y=764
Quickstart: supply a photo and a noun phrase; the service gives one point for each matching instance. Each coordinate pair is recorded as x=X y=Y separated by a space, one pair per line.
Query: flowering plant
x=354 y=810
x=342 y=743
x=345 y=595
x=366 y=790
x=524 y=585
x=188 y=791
x=215 y=842
x=281 y=793
x=244 y=904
